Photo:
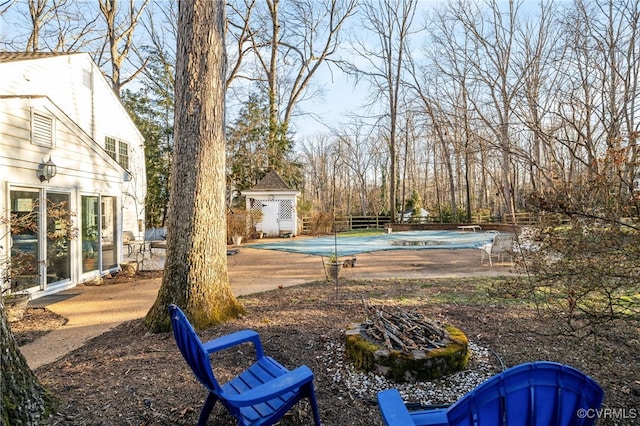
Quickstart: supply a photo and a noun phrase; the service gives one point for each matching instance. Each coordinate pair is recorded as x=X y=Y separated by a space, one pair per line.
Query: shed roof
x=271 y=182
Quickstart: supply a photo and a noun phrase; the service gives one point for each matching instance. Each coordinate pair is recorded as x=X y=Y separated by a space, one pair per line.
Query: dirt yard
x=129 y=377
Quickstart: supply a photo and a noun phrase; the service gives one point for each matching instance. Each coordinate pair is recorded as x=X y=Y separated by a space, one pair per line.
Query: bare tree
x=593 y=129
x=356 y=143
x=429 y=96
x=391 y=23
x=53 y=26
x=160 y=25
x=120 y=39
x=73 y=29
x=195 y=275
x=538 y=40
x=489 y=47
x=288 y=44
x=240 y=37
x=5 y=5
x=316 y=154
x=41 y=11
x=378 y=196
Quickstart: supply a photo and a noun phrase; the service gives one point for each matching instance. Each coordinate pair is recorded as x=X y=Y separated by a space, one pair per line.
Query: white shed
x=65 y=138
x=277 y=203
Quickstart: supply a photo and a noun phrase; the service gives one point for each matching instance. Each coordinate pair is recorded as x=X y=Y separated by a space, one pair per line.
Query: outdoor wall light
x=46 y=170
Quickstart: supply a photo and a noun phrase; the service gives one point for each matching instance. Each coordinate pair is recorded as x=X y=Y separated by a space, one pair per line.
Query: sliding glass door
x=44 y=237
x=108 y=234
x=25 y=242
x=41 y=230
x=98 y=232
x=59 y=232
x=89 y=233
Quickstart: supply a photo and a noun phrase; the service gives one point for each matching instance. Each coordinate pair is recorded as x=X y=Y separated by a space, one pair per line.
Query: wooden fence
x=506 y=223
x=348 y=223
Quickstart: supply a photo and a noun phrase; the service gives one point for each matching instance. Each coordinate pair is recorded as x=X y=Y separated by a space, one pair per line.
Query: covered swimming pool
x=350 y=245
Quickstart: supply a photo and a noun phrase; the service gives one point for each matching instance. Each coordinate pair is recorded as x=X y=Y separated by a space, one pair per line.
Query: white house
x=277 y=203
x=65 y=140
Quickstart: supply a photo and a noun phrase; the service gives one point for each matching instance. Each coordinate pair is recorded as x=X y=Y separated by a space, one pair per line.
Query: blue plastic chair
x=261 y=395
x=536 y=393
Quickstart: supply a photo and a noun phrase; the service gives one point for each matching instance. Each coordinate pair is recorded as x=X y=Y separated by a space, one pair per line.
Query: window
x=118 y=150
x=123 y=154
x=110 y=147
x=86 y=79
x=41 y=129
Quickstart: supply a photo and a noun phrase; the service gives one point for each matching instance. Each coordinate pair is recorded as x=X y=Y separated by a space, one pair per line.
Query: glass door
x=90 y=233
x=108 y=234
x=59 y=232
x=25 y=244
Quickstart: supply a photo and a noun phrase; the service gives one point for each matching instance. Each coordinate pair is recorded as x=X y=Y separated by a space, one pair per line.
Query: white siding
x=97 y=110
x=79 y=162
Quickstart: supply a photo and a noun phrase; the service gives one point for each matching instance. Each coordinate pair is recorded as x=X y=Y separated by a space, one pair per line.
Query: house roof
x=23 y=56
x=271 y=182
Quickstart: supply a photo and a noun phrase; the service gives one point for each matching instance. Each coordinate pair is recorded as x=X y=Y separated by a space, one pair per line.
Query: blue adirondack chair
x=260 y=395
x=537 y=393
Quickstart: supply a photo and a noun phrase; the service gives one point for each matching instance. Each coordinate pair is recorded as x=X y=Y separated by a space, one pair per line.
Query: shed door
x=270 y=218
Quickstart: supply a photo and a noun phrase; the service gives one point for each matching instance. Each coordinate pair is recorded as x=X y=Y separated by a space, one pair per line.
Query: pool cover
x=411 y=240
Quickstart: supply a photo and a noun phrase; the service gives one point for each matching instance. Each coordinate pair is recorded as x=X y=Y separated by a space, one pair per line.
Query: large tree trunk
x=195 y=275
x=24 y=400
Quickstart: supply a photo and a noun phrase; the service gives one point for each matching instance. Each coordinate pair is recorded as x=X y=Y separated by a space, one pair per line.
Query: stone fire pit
x=406 y=346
